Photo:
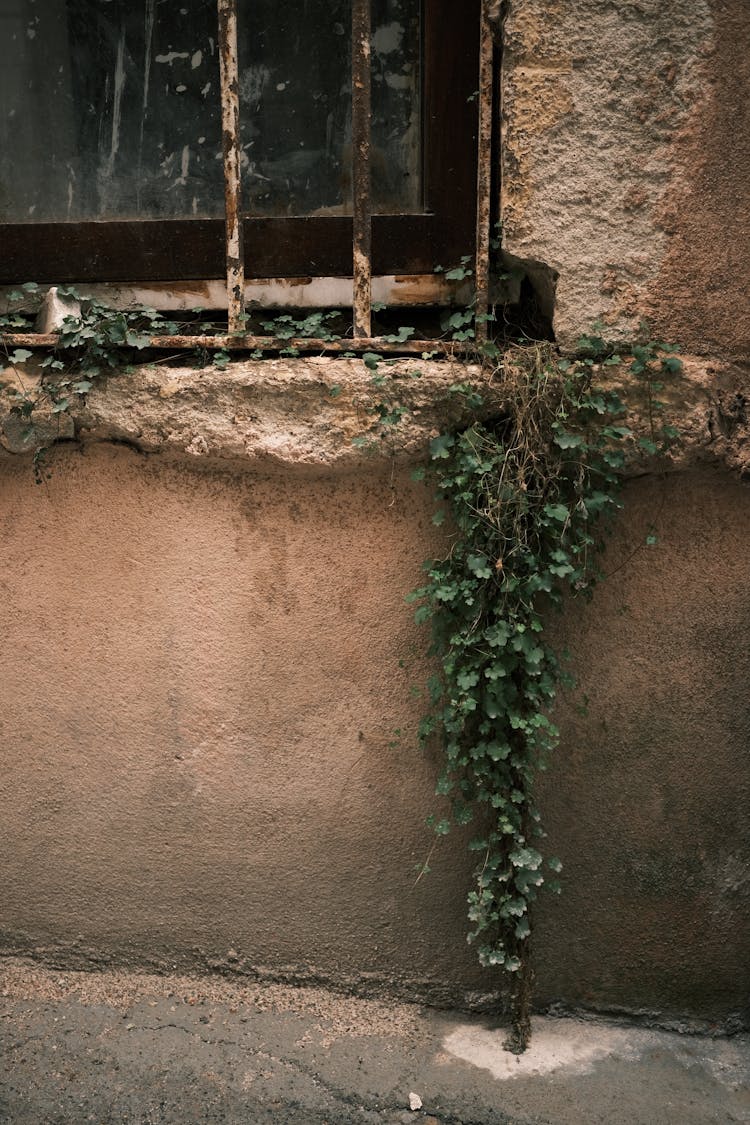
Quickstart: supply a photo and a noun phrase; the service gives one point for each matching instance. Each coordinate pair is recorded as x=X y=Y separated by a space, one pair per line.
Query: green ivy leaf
x=568 y=441
x=440 y=447
x=556 y=512
x=477 y=564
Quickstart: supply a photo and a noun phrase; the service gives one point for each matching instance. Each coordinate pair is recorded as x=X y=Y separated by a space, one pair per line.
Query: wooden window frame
x=293 y=246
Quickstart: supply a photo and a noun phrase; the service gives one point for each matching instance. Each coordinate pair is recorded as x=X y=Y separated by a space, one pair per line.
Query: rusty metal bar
x=230 y=132
x=484 y=175
x=361 y=184
x=376 y=344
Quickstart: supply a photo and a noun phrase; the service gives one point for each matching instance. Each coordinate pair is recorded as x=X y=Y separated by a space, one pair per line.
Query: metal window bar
x=362 y=198
x=362 y=339
x=231 y=141
x=484 y=176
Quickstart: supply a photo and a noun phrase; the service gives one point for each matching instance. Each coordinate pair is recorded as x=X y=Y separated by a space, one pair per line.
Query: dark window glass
x=295 y=86
x=109 y=109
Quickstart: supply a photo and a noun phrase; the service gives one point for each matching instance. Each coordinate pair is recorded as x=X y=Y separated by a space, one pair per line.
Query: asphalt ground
x=116 y=1047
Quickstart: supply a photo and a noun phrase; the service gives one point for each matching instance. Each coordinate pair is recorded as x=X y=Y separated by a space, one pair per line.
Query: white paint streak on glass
x=148 y=35
x=118 y=86
x=387 y=39
x=171 y=56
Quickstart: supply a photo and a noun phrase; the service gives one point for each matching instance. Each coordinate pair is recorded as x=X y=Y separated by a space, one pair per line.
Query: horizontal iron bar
x=264 y=343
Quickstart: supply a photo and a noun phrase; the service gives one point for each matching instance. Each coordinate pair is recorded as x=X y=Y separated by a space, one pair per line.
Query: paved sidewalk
x=124 y=1048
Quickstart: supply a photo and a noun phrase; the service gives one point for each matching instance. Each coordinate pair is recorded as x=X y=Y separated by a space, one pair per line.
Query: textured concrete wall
x=626 y=172
x=626 y=164
x=649 y=797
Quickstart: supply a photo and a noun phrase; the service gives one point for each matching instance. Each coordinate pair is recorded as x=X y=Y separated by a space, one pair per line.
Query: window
x=111 y=148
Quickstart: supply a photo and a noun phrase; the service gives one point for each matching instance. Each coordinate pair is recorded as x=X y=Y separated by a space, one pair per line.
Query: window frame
x=153 y=250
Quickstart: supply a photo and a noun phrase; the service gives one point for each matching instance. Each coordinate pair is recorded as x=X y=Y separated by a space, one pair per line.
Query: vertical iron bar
x=484 y=175
x=230 y=129
x=361 y=210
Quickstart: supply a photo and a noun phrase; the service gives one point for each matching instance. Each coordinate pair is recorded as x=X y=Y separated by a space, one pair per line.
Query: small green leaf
x=137 y=339
x=523 y=929
x=441 y=446
x=477 y=564
x=568 y=441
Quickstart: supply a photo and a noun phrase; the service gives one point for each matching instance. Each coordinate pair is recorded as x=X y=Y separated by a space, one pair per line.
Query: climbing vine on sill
x=98 y=341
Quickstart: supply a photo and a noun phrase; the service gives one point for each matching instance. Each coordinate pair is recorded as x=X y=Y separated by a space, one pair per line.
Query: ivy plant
x=529 y=496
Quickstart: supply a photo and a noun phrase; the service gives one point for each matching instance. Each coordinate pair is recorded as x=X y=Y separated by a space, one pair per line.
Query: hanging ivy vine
x=529 y=496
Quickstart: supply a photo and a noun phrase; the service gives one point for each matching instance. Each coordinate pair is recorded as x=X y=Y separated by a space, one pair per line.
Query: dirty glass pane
x=295 y=86
x=109 y=109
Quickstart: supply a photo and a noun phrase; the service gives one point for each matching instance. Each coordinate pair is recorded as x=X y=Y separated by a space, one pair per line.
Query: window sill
x=308 y=413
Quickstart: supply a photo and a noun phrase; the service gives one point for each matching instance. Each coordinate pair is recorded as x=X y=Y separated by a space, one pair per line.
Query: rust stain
x=230 y=117
x=362 y=204
x=484 y=174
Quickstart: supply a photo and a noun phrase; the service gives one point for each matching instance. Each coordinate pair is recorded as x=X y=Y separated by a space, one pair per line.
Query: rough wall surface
x=201 y=690
x=649 y=796
x=202 y=685
x=319 y=415
x=626 y=164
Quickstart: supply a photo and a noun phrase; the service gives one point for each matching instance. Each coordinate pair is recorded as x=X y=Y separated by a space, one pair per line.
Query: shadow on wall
x=648 y=800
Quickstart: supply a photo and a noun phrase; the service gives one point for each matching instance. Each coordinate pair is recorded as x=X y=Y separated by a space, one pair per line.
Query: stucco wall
x=648 y=799
x=202 y=684
x=202 y=677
